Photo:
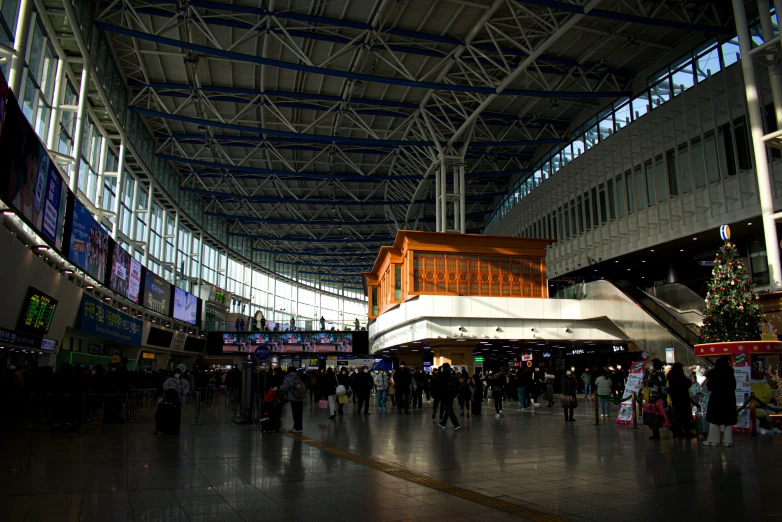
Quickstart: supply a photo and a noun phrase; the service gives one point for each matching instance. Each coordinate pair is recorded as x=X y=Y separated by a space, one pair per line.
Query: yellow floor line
x=479 y=498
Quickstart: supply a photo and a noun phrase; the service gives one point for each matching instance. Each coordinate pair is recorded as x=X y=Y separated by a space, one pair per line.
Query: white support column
x=15 y=74
x=443 y=196
x=462 y=201
x=148 y=235
x=761 y=157
x=54 y=121
x=133 y=215
x=78 y=131
x=119 y=193
x=200 y=271
x=775 y=71
x=102 y=160
x=438 y=226
x=175 y=240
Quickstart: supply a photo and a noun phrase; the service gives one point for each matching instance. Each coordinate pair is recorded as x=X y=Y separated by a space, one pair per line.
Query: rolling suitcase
x=272 y=413
x=168 y=418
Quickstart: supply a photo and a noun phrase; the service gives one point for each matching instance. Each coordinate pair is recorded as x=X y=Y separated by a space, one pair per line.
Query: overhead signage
x=89 y=243
x=670 y=358
x=262 y=352
x=95 y=349
x=185 y=306
x=289 y=342
x=37 y=312
x=48 y=344
x=527 y=357
x=178 y=341
x=19 y=339
x=103 y=321
x=148 y=355
x=478 y=359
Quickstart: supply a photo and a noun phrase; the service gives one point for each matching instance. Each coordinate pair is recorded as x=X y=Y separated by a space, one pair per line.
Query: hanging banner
x=635 y=383
x=104 y=321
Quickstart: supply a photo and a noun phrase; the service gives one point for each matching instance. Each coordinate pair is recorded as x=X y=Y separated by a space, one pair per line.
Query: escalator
x=647 y=320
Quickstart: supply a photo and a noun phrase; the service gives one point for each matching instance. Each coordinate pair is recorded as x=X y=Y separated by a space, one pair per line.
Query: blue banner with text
x=104 y=321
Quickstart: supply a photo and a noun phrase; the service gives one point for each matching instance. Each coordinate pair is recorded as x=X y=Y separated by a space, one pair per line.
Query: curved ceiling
x=313 y=127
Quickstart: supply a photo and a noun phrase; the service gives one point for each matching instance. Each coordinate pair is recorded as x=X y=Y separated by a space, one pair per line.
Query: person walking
x=381 y=388
x=679 y=391
x=465 y=392
x=548 y=394
x=313 y=386
x=402 y=382
x=498 y=383
x=586 y=378
x=417 y=391
x=477 y=393
x=604 y=386
x=721 y=411
x=344 y=380
x=524 y=383
x=322 y=324
x=392 y=390
x=296 y=392
x=436 y=395
x=328 y=389
x=363 y=387
x=568 y=399
x=538 y=385
x=448 y=387
x=293 y=324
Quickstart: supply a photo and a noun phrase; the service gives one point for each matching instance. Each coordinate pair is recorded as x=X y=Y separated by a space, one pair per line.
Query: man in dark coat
x=447 y=388
x=402 y=381
x=362 y=386
x=721 y=413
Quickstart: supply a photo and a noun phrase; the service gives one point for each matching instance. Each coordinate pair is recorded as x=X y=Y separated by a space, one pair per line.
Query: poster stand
x=248 y=394
x=741 y=353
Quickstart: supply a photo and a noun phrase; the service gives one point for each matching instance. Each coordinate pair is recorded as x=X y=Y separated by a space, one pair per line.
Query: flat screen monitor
x=37 y=312
x=185 y=306
x=289 y=342
x=157 y=294
x=29 y=180
x=125 y=278
x=159 y=337
x=88 y=244
x=195 y=344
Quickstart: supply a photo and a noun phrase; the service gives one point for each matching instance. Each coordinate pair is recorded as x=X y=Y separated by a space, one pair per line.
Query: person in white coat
x=182 y=386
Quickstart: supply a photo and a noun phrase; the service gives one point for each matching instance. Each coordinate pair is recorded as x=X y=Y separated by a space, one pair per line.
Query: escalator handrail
x=663 y=316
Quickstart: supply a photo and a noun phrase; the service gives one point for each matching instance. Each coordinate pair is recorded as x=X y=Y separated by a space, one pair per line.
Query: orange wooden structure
x=430 y=263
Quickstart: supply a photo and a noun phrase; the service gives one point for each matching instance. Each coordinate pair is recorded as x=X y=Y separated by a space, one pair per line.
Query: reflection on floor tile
x=222 y=471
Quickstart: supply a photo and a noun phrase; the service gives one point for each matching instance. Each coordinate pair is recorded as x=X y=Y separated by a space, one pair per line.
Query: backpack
x=299 y=390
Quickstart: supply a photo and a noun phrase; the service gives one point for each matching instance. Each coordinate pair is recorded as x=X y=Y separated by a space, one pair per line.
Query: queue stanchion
x=597 y=412
x=197 y=410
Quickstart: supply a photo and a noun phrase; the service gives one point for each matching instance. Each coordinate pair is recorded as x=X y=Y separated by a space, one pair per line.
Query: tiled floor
x=224 y=472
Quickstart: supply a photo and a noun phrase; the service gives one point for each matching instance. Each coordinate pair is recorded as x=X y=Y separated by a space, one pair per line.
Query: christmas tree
x=732 y=309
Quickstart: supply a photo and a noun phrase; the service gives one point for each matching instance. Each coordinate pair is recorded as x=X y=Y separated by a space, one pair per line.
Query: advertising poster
x=743 y=389
x=54 y=202
x=635 y=383
x=157 y=293
x=125 y=276
x=89 y=243
x=185 y=306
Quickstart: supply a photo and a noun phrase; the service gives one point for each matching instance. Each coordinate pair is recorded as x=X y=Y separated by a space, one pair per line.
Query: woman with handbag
x=654 y=412
x=568 y=397
x=342 y=389
x=328 y=391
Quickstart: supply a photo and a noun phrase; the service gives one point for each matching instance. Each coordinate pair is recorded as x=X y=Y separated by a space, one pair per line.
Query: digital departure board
x=37 y=312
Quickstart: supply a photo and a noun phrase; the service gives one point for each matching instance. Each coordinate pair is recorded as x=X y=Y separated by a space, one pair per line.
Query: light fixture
x=124 y=307
x=89 y=287
x=681 y=250
x=107 y=298
x=750 y=223
x=695 y=239
x=652 y=250
x=67 y=271
x=618 y=260
x=12 y=213
x=41 y=247
x=643 y=261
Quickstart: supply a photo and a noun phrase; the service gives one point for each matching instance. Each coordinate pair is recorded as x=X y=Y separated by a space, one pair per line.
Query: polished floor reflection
x=225 y=472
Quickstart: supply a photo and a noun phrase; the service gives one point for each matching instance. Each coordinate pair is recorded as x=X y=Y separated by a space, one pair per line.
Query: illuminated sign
x=618 y=348
x=37 y=312
x=527 y=357
x=478 y=359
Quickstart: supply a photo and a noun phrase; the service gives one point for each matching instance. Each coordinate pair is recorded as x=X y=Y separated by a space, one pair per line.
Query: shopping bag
x=343 y=399
x=323 y=404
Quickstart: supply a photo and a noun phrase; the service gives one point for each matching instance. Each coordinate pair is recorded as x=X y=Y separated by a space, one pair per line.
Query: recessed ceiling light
x=695 y=239
x=750 y=223
x=681 y=250
x=652 y=250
